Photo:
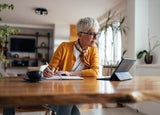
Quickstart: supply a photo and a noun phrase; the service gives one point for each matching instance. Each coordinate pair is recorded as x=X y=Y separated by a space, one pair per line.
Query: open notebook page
x=65 y=77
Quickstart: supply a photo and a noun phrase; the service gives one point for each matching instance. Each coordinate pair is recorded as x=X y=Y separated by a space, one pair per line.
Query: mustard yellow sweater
x=64 y=59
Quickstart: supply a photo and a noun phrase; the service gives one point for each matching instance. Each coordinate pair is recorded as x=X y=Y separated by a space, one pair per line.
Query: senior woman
x=76 y=58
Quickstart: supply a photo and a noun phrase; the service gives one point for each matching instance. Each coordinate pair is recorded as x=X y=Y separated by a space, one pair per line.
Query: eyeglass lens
x=93 y=35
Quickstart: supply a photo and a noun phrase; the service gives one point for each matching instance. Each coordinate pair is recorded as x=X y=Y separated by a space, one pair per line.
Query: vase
x=150 y=60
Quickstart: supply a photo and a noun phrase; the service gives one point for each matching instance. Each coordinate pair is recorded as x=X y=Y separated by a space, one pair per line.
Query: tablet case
x=119 y=76
x=122 y=70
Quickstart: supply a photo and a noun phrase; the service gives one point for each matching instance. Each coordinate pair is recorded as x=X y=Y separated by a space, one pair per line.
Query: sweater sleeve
x=94 y=63
x=56 y=56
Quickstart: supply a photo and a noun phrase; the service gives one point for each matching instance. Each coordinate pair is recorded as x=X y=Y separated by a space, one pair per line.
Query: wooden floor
x=86 y=110
x=108 y=111
x=111 y=111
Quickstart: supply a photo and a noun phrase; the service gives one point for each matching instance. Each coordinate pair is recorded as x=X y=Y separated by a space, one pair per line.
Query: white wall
x=62 y=33
x=154 y=25
x=138 y=26
x=141 y=25
x=142 y=20
x=143 y=17
x=131 y=28
x=147 y=24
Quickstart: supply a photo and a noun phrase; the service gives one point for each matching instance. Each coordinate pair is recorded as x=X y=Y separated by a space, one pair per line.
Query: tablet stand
x=119 y=76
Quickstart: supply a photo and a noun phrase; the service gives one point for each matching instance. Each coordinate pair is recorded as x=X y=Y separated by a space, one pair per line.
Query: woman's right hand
x=48 y=72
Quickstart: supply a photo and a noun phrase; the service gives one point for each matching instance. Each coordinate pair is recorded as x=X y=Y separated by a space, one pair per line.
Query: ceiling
x=59 y=11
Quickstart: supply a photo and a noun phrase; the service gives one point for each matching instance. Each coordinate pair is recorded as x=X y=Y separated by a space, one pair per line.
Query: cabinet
x=24 y=59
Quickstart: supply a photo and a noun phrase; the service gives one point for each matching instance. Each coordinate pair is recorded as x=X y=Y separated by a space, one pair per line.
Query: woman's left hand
x=63 y=73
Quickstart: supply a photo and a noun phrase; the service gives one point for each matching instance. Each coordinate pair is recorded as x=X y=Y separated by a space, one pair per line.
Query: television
x=22 y=45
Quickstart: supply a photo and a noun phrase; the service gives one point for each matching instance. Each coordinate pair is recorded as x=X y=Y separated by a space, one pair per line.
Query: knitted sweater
x=64 y=59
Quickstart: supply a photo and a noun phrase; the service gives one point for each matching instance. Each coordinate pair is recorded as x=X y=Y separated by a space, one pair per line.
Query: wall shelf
x=25 y=58
x=42 y=47
x=41 y=54
x=32 y=35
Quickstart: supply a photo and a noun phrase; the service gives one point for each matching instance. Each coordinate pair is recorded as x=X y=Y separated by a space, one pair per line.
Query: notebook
x=64 y=78
x=122 y=71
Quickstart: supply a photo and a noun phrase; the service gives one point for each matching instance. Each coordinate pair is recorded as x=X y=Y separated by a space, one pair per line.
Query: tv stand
x=40 y=56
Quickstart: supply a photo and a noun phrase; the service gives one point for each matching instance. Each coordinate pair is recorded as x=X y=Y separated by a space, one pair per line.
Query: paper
x=65 y=77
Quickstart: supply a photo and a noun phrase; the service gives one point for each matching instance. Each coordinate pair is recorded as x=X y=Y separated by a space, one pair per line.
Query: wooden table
x=16 y=92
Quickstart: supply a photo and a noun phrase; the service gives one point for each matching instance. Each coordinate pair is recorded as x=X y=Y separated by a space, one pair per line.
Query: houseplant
x=114 y=24
x=5 y=31
x=114 y=28
x=148 y=57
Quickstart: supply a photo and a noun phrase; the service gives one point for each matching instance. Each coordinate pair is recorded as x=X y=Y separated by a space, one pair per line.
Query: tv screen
x=22 y=45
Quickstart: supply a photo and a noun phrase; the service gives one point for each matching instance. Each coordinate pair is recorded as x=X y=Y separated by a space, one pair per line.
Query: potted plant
x=5 y=31
x=117 y=23
x=114 y=24
x=148 y=57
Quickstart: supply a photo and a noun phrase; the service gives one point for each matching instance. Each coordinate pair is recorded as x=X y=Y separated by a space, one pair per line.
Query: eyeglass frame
x=93 y=35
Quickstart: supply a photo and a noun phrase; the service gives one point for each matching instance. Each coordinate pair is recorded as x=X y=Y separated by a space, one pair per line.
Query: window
x=110 y=46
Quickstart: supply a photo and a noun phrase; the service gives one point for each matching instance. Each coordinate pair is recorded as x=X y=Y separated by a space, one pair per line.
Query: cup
x=34 y=76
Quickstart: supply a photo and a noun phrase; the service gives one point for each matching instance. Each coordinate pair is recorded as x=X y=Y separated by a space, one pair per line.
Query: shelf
x=25 y=58
x=41 y=59
x=42 y=47
x=17 y=67
x=25 y=61
x=33 y=35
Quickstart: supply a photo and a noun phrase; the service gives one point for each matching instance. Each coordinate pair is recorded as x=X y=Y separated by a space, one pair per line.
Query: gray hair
x=87 y=23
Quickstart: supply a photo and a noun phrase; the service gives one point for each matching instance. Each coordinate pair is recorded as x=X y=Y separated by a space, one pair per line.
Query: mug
x=34 y=76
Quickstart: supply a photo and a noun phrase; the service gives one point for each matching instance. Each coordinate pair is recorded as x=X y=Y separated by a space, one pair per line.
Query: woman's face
x=88 y=39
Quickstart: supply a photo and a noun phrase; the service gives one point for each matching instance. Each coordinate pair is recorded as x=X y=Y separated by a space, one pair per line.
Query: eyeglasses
x=92 y=35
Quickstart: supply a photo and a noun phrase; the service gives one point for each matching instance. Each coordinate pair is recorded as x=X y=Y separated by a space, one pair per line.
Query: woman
x=77 y=58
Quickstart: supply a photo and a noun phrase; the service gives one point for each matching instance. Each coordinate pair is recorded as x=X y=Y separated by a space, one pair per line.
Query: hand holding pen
x=49 y=71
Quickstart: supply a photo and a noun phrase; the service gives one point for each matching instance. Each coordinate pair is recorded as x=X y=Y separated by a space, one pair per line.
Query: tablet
x=122 y=70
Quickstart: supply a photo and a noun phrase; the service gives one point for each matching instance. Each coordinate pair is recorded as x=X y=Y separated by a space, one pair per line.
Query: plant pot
x=149 y=60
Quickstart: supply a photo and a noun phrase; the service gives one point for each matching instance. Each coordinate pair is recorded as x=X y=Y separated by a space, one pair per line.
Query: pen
x=48 y=66
x=55 y=70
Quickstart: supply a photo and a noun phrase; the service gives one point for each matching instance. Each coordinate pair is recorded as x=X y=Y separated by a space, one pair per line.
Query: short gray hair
x=87 y=23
